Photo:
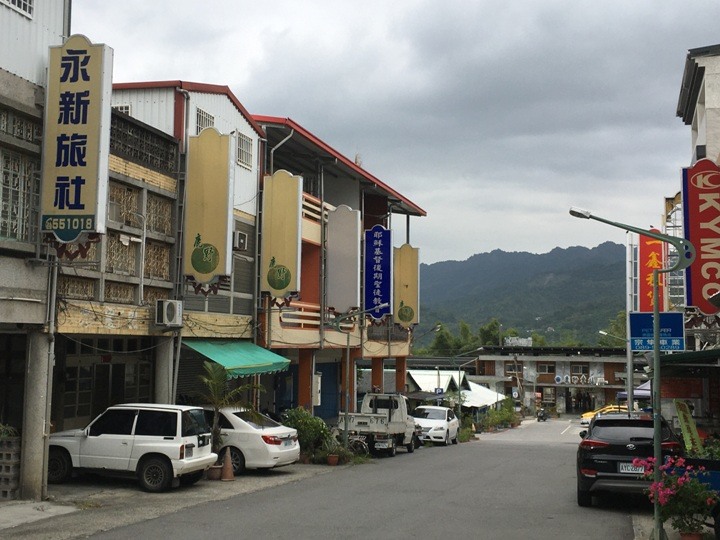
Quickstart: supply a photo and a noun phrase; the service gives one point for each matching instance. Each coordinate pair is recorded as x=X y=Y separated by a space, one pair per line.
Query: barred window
x=546 y=368
x=244 y=151
x=125 y=109
x=203 y=120
x=19 y=196
x=579 y=369
x=26 y=7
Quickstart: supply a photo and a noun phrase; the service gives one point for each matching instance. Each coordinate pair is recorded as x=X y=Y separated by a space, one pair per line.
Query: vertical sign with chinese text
x=378 y=271
x=650 y=257
x=76 y=139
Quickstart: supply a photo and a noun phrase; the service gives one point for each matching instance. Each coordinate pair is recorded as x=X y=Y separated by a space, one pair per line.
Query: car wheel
x=455 y=440
x=191 y=478
x=447 y=438
x=154 y=474
x=238 y=460
x=59 y=466
x=393 y=449
x=584 y=498
x=411 y=446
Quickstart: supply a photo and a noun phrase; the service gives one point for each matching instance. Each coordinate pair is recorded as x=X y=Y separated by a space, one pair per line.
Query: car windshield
x=626 y=431
x=430 y=414
x=194 y=423
x=256 y=420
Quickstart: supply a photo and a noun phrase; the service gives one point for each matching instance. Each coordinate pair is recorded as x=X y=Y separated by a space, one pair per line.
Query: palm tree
x=218 y=396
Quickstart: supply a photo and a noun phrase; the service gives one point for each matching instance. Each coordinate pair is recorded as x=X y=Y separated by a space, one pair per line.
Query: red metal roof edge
x=262 y=119
x=195 y=87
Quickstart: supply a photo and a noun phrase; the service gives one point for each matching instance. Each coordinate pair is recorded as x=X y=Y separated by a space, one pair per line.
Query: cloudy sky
x=495 y=117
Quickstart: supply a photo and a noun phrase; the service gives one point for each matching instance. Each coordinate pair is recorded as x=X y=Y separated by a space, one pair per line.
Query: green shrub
x=466 y=434
x=313 y=432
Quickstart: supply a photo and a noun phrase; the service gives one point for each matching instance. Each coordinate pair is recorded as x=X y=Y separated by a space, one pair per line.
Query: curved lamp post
x=686 y=255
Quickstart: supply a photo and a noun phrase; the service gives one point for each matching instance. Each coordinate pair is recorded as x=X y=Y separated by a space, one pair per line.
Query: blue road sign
x=672 y=331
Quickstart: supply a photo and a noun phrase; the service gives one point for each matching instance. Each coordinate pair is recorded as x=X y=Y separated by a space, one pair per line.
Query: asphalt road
x=519 y=483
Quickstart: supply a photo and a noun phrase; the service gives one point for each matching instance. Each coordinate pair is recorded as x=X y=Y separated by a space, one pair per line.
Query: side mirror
x=583 y=433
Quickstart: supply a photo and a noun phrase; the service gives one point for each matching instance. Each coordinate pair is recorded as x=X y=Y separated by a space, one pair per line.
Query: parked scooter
x=542 y=415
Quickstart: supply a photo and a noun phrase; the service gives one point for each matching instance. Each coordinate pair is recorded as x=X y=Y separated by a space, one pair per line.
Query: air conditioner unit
x=239 y=241
x=168 y=313
x=600 y=380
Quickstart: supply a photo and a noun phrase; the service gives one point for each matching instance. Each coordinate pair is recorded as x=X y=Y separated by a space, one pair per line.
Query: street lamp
x=336 y=324
x=686 y=255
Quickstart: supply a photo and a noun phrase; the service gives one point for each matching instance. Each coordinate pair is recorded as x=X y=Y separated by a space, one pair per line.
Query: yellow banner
x=281 y=234
x=76 y=139
x=687 y=425
x=406 y=298
x=208 y=210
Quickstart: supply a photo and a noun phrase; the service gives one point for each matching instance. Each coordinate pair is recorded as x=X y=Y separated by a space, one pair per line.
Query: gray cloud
x=494 y=117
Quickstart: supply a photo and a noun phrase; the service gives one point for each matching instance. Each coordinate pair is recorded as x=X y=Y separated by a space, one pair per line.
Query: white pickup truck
x=384 y=423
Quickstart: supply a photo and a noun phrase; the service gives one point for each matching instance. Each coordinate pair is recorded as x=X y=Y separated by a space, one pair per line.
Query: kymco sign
x=701 y=214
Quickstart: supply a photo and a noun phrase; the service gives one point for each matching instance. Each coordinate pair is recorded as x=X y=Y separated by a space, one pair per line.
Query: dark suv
x=607 y=450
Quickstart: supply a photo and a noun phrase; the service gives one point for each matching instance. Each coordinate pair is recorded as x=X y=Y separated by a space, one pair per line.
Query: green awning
x=240 y=358
x=708 y=356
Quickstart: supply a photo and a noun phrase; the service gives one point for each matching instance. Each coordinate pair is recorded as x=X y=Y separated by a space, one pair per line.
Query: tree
x=218 y=395
x=616 y=331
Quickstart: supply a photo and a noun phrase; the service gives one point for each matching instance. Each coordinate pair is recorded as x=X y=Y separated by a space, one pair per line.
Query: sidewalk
x=91 y=504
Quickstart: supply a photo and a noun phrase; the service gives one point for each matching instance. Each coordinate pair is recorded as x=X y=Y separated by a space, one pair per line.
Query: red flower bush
x=683 y=498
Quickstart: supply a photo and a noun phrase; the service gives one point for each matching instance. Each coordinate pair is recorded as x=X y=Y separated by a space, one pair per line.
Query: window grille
x=26 y=7
x=579 y=369
x=19 y=196
x=546 y=368
x=244 y=151
x=510 y=368
x=203 y=120
x=125 y=109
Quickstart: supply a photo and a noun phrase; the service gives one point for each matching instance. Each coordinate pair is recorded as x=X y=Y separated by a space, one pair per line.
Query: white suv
x=162 y=445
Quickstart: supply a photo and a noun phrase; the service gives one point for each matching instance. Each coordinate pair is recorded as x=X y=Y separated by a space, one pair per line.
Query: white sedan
x=439 y=424
x=255 y=441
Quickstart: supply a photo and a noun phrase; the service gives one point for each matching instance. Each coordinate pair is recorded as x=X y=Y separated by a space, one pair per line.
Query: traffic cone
x=227 y=468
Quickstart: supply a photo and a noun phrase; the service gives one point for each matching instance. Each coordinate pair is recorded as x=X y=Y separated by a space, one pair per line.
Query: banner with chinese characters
x=650 y=257
x=701 y=216
x=378 y=271
x=208 y=208
x=76 y=139
x=406 y=278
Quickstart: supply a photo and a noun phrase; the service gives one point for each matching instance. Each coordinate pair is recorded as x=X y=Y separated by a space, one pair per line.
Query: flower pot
x=691 y=535
x=332 y=459
x=214 y=472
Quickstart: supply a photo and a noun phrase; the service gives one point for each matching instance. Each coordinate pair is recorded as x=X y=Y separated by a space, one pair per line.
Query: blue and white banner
x=378 y=271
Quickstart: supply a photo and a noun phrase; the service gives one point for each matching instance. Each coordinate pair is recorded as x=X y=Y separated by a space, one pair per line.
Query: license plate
x=629 y=468
x=381 y=445
x=288 y=443
x=188 y=452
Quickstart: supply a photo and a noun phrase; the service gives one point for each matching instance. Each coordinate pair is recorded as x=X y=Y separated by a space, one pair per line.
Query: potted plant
x=684 y=498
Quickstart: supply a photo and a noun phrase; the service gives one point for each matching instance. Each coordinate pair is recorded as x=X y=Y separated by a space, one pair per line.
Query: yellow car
x=586 y=417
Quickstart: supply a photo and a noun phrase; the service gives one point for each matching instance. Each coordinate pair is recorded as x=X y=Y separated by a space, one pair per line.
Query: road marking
x=569 y=426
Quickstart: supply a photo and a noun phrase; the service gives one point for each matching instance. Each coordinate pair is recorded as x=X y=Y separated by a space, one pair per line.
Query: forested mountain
x=566 y=295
